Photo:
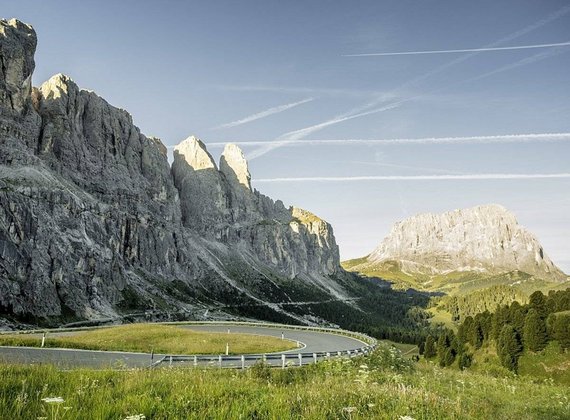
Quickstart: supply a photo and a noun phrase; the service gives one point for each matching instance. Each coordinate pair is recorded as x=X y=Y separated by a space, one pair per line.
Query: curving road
x=316 y=342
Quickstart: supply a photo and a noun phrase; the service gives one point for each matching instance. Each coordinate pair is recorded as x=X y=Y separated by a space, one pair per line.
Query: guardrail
x=278 y=359
x=282 y=360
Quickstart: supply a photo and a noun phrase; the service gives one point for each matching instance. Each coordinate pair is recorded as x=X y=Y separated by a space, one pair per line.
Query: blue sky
x=274 y=70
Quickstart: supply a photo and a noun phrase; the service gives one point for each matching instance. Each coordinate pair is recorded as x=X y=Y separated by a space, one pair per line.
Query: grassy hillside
x=461 y=294
x=382 y=386
x=152 y=337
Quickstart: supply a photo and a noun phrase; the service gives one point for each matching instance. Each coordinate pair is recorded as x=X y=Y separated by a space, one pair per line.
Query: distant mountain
x=446 y=251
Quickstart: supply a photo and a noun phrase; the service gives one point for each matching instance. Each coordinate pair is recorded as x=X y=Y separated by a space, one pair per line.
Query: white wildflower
x=53 y=400
x=136 y=417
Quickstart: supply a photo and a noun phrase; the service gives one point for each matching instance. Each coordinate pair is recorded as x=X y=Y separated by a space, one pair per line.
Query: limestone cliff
x=485 y=239
x=94 y=222
x=221 y=204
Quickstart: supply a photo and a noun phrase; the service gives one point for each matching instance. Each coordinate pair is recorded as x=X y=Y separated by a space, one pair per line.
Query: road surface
x=311 y=342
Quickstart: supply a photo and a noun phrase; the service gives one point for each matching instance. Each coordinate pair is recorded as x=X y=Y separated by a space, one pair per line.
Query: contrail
x=417 y=178
x=517 y=47
x=358 y=112
x=523 y=62
x=530 y=28
x=299 y=134
x=508 y=138
x=263 y=114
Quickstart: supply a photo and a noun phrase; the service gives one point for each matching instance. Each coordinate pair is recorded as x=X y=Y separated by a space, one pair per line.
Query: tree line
x=512 y=329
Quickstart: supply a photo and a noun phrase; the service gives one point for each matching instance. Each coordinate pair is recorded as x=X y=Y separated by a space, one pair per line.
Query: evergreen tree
x=447 y=358
x=465 y=329
x=561 y=330
x=442 y=343
x=499 y=319
x=485 y=322
x=430 y=350
x=509 y=348
x=535 y=336
x=476 y=335
x=537 y=301
x=446 y=348
x=465 y=360
x=517 y=317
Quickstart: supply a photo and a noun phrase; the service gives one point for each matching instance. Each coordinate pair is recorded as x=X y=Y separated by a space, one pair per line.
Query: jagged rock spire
x=234 y=165
x=195 y=153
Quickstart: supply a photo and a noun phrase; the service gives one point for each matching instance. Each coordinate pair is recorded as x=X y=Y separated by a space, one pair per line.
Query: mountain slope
x=95 y=223
x=462 y=249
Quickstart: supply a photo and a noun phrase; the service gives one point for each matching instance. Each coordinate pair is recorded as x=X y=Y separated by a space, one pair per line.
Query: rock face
x=486 y=239
x=221 y=205
x=94 y=222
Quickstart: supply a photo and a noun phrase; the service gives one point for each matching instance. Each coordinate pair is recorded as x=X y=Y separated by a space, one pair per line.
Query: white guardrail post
x=242 y=361
x=300 y=359
x=282 y=361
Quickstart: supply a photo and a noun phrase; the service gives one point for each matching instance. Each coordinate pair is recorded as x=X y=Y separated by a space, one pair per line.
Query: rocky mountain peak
x=17 y=48
x=56 y=86
x=94 y=221
x=193 y=151
x=484 y=239
x=234 y=165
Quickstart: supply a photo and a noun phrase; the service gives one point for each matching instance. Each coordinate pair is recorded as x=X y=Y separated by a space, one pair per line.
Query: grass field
x=154 y=337
x=407 y=350
x=381 y=386
x=441 y=316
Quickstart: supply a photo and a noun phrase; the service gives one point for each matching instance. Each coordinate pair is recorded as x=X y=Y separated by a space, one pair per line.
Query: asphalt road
x=312 y=342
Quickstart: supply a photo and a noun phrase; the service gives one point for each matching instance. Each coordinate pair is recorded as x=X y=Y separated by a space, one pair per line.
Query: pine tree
x=465 y=329
x=537 y=301
x=561 y=330
x=499 y=319
x=430 y=350
x=509 y=348
x=485 y=320
x=446 y=348
x=476 y=335
x=465 y=360
x=535 y=336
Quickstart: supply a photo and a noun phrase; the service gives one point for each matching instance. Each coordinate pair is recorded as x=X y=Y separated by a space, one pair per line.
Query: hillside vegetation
x=381 y=386
x=511 y=332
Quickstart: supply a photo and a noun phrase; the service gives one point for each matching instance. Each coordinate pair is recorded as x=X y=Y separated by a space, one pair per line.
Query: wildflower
x=370 y=405
x=136 y=417
x=349 y=409
x=406 y=418
x=53 y=400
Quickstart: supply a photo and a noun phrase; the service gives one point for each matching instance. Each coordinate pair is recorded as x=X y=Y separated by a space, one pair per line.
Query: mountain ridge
x=94 y=221
x=484 y=239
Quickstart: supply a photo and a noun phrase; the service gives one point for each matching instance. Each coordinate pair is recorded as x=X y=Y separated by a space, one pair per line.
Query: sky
x=280 y=77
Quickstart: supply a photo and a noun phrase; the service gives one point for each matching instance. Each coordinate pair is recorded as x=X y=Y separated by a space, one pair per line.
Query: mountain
x=94 y=222
x=459 y=248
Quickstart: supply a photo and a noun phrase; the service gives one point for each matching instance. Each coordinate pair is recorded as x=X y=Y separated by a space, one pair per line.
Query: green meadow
x=384 y=385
